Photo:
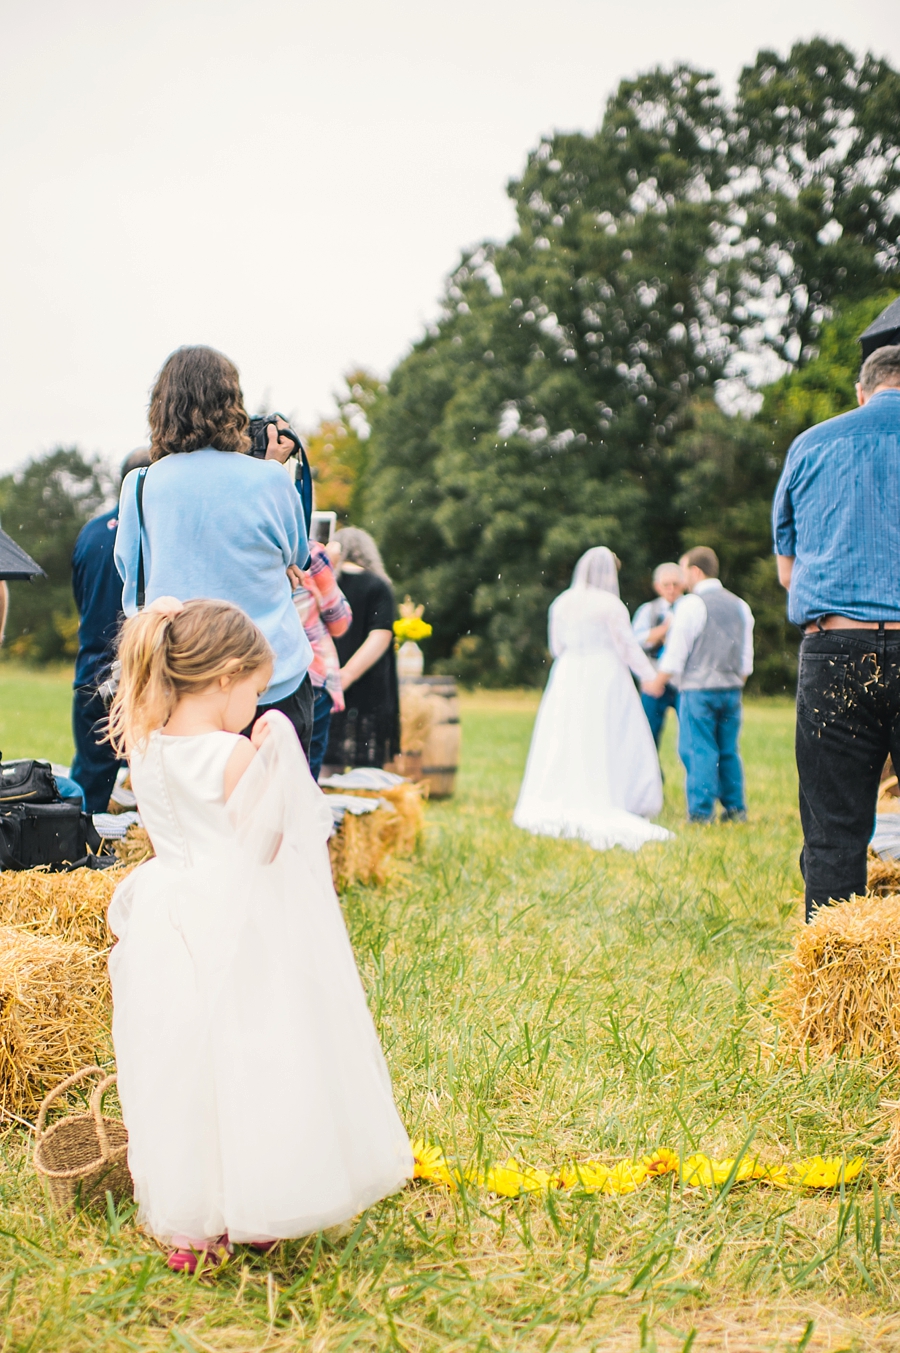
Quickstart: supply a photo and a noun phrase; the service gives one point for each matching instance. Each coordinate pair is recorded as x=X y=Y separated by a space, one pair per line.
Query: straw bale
x=361 y=847
x=407 y=800
x=843 y=987
x=883 y=876
x=135 y=847
x=54 y=1014
x=71 y=906
x=417 y=713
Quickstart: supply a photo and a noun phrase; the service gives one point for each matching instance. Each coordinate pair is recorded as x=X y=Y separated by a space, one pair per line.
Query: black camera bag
x=27 y=782
x=57 y=835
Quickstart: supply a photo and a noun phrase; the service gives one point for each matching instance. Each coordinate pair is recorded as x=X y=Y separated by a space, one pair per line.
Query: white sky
x=290 y=180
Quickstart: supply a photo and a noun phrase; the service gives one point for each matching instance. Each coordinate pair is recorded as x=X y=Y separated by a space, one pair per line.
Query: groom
x=709 y=653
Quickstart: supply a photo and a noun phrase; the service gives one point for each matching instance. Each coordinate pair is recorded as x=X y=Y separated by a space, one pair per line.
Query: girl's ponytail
x=170 y=650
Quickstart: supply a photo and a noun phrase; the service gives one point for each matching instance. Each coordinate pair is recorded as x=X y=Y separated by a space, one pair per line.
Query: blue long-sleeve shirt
x=837 y=512
x=222 y=525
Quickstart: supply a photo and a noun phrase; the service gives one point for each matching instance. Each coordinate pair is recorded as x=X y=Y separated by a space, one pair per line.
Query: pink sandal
x=206 y=1255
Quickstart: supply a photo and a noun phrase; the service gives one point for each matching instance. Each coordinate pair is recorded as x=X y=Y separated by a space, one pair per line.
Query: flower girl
x=253 y=1086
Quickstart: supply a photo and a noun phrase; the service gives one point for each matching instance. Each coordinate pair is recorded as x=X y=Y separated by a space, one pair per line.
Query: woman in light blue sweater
x=217 y=522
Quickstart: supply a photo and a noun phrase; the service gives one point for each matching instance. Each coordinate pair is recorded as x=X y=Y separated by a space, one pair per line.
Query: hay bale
x=407 y=801
x=134 y=848
x=361 y=847
x=883 y=876
x=70 y=906
x=54 y=1014
x=843 y=987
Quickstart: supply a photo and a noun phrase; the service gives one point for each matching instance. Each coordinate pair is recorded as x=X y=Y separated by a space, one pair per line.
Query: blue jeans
x=321 y=723
x=709 y=729
x=655 y=707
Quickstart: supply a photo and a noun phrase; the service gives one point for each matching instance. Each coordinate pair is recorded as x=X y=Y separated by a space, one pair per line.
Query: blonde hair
x=165 y=657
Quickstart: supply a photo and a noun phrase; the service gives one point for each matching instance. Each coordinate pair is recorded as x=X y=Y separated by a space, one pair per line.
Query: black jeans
x=848 y=721
x=298 y=707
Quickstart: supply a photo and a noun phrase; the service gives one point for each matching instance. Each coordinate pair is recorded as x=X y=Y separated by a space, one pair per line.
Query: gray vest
x=714 y=663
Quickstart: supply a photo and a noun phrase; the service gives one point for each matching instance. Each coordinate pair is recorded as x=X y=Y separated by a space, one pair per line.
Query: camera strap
x=141 y=591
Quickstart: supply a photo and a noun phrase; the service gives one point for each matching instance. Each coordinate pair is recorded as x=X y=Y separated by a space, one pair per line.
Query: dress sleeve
x=627 y=645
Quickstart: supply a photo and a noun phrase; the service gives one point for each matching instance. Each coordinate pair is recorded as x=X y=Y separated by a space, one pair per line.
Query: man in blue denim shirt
x=836 y=524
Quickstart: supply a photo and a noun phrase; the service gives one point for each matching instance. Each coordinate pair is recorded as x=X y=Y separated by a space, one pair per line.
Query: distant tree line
x=680 y=298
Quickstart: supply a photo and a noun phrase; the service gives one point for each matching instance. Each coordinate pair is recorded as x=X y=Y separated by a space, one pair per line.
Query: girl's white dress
x=592 y=771
x=252 y=1081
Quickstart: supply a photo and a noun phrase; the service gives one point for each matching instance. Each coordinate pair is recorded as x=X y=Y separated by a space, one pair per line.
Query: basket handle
x=96 y=1096
x=60 y=1090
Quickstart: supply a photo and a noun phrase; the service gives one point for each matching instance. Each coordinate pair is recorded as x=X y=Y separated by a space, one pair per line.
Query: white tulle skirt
x=592 y=771
x=252 y=1081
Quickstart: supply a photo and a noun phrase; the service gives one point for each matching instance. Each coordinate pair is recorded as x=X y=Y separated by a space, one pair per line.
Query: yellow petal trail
x=512 y=1178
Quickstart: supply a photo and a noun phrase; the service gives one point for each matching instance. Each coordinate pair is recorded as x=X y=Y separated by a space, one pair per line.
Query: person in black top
x=367 y=733
x=98 y=596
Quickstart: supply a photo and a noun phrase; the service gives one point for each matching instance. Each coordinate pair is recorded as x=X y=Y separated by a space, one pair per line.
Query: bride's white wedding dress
x=252 y=1082
x=592 y=771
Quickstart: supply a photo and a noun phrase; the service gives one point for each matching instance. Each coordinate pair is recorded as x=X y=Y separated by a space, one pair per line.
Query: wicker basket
x=82 y=1156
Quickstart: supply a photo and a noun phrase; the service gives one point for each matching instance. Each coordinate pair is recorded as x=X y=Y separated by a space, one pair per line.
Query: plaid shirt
x=324 y=611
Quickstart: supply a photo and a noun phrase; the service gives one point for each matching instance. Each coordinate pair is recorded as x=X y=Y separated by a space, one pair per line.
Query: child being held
x=254 y=1089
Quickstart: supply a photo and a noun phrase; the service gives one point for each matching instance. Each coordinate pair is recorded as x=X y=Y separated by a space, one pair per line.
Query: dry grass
x=843 y=990
x=54 y=1014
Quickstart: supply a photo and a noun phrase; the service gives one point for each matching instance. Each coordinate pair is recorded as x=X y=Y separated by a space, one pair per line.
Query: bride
x=593 y=771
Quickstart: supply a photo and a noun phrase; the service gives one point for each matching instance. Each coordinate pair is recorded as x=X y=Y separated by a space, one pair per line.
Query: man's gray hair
x=358 y=547
x=881 y=367
x=662 y=569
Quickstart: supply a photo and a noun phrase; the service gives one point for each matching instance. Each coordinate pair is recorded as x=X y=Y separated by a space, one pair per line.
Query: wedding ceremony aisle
x=538 y=1000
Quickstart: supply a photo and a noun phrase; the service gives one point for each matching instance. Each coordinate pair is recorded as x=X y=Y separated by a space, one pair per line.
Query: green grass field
x=539 y=999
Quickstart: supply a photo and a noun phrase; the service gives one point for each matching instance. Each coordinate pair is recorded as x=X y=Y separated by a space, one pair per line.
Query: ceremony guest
x=592 y=770
x=367 y=731
x=709 y=653
x=219 y=523
x=326 y=615
x=651 y=625
x=98 y=597
x=253 y=1087
x=836 y=523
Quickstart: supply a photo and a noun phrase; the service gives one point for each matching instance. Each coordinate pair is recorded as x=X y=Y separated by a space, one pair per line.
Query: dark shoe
x=734 y=814
x=701 y=821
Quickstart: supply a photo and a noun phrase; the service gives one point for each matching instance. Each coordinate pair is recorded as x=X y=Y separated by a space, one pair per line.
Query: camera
x=258 y=432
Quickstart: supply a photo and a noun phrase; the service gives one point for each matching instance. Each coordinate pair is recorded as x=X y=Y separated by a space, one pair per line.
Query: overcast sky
x=290 y=180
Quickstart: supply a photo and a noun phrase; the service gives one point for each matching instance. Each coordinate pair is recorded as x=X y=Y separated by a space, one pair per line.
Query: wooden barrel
x=440 y=752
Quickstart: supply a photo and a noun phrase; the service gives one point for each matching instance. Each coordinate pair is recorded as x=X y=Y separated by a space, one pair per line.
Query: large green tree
x=43 y=508
x=687 y=247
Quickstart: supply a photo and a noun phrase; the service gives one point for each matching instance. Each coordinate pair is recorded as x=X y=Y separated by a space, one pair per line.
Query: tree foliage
x=43 y=508
x=337 y=447
x=564 y=397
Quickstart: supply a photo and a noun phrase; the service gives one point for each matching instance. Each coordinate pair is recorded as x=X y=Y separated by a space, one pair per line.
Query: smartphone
x=322 y=526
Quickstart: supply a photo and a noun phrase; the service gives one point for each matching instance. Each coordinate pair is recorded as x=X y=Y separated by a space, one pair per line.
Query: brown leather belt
x=841 y=622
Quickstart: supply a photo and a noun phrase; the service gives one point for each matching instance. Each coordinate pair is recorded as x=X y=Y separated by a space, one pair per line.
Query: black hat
x=882 y=331
x=14 y=562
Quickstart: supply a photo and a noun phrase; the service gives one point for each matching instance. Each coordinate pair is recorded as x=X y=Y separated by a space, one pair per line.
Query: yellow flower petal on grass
x=626 y=1176
x=660 y=1162
x=431 y=1164
x=589 y=1175
x=511 y=1178
x=820 y=1172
